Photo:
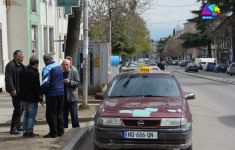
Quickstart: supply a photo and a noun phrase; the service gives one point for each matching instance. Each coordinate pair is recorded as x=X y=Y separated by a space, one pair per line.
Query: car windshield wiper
x=151 y=96
x=117 y=96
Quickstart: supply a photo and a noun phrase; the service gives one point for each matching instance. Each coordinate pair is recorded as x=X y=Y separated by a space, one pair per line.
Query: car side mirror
x=99 y=95
x=188 y=95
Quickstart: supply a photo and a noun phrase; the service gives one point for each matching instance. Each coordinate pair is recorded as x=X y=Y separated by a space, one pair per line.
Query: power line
x=176 y=5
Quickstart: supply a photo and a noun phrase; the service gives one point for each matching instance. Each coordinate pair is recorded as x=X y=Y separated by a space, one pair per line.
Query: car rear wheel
x=189 y=148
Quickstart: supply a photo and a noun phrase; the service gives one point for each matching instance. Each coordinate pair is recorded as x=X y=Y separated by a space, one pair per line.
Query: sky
x=165 y=15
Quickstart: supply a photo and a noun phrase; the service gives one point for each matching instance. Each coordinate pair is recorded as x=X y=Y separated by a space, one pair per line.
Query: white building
x=3 y=43
x=41 y=26
x=34 y=26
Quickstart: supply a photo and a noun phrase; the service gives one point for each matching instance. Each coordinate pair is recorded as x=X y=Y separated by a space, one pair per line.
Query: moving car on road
x=231 y=69
x=184 y=63
x=144 y=110
x=191 y=67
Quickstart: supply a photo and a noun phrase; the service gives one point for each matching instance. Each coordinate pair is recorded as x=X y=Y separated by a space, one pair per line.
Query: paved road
x=213 y=74
x=213 y=114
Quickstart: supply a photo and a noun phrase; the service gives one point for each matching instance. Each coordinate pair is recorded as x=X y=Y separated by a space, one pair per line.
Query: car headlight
x=170 y=122
x=108 y=122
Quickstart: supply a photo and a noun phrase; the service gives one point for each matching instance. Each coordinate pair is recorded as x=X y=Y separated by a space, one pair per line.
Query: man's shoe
x=49 y=136
x=60 y=134
x=31 y=134
x=14 y=131
x=20 y=128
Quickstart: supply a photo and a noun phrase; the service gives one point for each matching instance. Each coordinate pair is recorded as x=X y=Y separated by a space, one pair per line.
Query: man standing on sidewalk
x=29 y=94
x=12 y=71
x=53 y=87
x=71 y=82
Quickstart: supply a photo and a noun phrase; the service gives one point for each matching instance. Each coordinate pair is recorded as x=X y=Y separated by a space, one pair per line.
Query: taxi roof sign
x=145 y=69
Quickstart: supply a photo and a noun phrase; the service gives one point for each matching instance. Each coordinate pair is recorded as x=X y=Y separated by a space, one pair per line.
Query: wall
x=100 y=65
x=3 y=22
x=17 y=26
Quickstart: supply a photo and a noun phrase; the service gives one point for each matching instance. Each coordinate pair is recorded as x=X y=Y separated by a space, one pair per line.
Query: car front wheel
x=189 y=148
x=97 y=148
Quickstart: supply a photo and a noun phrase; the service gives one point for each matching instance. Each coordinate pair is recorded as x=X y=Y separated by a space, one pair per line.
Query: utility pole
x=85 y=53
x=110 y=38
x=110 y=22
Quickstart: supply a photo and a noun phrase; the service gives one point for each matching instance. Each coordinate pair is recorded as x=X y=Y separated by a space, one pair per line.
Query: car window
x=144 y=85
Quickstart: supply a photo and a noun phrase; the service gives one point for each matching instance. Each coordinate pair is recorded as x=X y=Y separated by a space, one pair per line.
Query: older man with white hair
x=71 y=82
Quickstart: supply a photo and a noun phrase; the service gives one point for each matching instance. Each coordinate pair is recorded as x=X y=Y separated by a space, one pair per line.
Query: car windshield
x=144 y=85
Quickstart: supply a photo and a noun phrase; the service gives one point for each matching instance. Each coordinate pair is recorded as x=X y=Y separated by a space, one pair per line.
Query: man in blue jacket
x=53 y=87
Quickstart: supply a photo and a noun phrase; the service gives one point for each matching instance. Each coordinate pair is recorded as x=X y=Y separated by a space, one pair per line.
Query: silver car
x=231 y=69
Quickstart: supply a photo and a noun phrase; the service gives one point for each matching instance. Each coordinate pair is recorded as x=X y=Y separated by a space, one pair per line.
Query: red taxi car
x=144 y=110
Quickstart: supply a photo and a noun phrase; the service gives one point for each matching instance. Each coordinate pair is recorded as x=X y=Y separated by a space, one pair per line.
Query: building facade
x=3 y=42
x=223 y=42
x=36 y=27
x=41 y=28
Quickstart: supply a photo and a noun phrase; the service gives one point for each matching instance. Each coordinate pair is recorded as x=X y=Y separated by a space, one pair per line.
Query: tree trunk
x=72 y=42
x=209 y=50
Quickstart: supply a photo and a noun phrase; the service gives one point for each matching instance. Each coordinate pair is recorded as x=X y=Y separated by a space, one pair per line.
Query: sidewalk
x=71 y=137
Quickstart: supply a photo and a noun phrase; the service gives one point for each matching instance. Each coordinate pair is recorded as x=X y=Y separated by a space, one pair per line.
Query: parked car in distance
x=191 y=67
x=175 y=62
x=220 y=68
x=231 y=69
x=201 y=62
x=209 y=66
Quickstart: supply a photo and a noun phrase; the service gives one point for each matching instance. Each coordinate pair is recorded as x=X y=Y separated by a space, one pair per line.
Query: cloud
x=162 y=17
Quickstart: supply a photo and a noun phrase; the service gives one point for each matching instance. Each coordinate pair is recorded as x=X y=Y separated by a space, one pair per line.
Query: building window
x=51 y=38
x=45 y=39
x=34 y=5
x=34 y=32
x=1 y=51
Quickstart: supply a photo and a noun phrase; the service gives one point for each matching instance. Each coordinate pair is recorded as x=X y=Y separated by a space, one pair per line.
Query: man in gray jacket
x=12 y=72
x=71 y=82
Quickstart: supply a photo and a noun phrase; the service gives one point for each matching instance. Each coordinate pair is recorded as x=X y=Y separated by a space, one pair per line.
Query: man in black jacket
x=29 y=94
x=12 y=86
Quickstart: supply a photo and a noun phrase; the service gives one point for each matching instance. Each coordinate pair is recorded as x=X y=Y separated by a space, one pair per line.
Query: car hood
x=142 y=107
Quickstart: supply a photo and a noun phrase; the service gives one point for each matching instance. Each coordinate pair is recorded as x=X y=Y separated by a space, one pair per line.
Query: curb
x=42 y=122
x=205 y=77
x=79 y=137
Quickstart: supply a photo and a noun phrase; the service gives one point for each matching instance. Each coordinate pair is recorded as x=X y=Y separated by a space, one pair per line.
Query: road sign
x=68 y=10
x=68 y=3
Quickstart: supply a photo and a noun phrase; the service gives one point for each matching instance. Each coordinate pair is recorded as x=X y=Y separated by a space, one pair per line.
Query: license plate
x=140 y=135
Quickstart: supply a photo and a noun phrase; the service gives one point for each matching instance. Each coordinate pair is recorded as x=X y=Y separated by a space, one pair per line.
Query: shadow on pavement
x=228 y=120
